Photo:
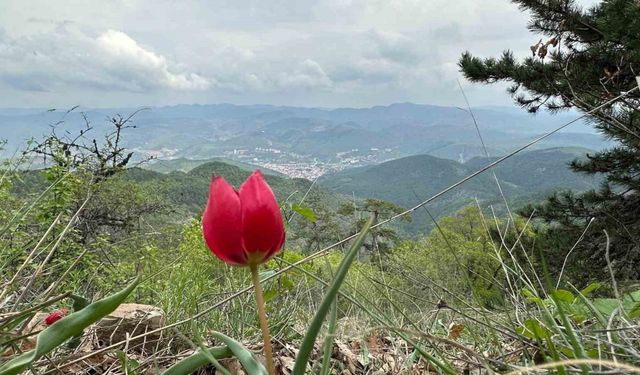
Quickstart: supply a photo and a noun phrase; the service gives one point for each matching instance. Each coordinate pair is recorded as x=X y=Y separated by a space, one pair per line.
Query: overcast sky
x=329 y=53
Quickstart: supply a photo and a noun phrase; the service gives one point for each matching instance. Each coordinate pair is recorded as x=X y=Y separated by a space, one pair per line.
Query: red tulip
x=55 y=316
x=246 y=227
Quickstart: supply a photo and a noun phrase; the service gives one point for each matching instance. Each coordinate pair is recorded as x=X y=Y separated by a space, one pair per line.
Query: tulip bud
x=55 y=316
x=245 y=227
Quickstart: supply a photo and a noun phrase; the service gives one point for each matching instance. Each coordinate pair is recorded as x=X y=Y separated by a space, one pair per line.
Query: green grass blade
x=312 y=332
x=573 y=339
x=64 y=329
x=244 y=355
x=328 y=341
x=198 y=359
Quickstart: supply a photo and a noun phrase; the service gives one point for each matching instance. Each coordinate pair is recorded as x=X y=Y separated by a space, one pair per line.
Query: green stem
x=262 y=315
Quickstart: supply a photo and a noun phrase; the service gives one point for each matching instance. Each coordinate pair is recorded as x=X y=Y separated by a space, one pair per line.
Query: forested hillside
x=524 y=178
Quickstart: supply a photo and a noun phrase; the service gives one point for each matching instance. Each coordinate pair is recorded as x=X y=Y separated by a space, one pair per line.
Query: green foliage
x=469 y=270
x=198 y=359
x=459 y=254
x=380 y=239
x=579 y=314
x=314 y=235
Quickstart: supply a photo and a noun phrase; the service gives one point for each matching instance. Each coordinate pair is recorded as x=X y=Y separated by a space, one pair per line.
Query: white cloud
x=307 y=75
x=305 y=52
x=124 y=53
x=396 y=47
x=69 y=57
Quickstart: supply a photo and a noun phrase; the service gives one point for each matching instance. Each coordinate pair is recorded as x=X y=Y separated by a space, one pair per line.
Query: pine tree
x=584 y=58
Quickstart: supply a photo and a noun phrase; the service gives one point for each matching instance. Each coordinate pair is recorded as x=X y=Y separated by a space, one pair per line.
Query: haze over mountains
x=312 y=138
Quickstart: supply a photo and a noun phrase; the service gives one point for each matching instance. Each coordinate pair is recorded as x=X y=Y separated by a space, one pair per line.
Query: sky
x=314 y=53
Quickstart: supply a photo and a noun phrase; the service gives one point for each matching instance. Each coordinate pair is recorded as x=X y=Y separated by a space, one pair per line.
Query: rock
x=130 y=319
x=36 y=323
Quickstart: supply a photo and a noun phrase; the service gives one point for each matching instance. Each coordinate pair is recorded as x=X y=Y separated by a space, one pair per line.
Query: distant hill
x=186 y=165
x=524 y=178
x=188 y=191
x=217 y=130
x=540 y=170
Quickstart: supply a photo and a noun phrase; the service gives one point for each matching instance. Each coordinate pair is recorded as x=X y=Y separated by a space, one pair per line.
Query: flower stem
x=262 y=315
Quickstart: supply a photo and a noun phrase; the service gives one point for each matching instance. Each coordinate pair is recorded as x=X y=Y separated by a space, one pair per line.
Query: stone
x=129 y=320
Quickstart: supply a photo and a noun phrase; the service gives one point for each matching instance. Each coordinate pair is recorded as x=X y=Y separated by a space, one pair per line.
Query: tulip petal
x=262 y=225
x=221 y=223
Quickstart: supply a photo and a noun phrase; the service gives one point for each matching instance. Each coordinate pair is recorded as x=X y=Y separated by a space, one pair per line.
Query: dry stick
x=324 y=251
x=262 y=315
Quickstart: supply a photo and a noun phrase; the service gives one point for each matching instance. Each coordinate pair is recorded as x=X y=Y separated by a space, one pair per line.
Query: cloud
x=149 y=70
x=396 y=47
x=71 y=57
x=307 y=75
x=303 y=52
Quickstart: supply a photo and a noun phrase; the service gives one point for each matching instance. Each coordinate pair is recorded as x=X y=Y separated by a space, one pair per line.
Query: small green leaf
x=270 y=294
x=532 y=329
x=635 y=311
x=286 y=282
x=305 y=212
x=564 y=295
x=248 y=360
x=568 y=352
x=594 y=353
x=129 y=365
x=198 y=359
x=589 y=289
x=79 y=302
x=578 y=318
x=606 y=305
x=531 y=297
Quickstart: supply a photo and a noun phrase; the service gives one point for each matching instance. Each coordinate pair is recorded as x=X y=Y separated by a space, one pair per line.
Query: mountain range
x=295 y=134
